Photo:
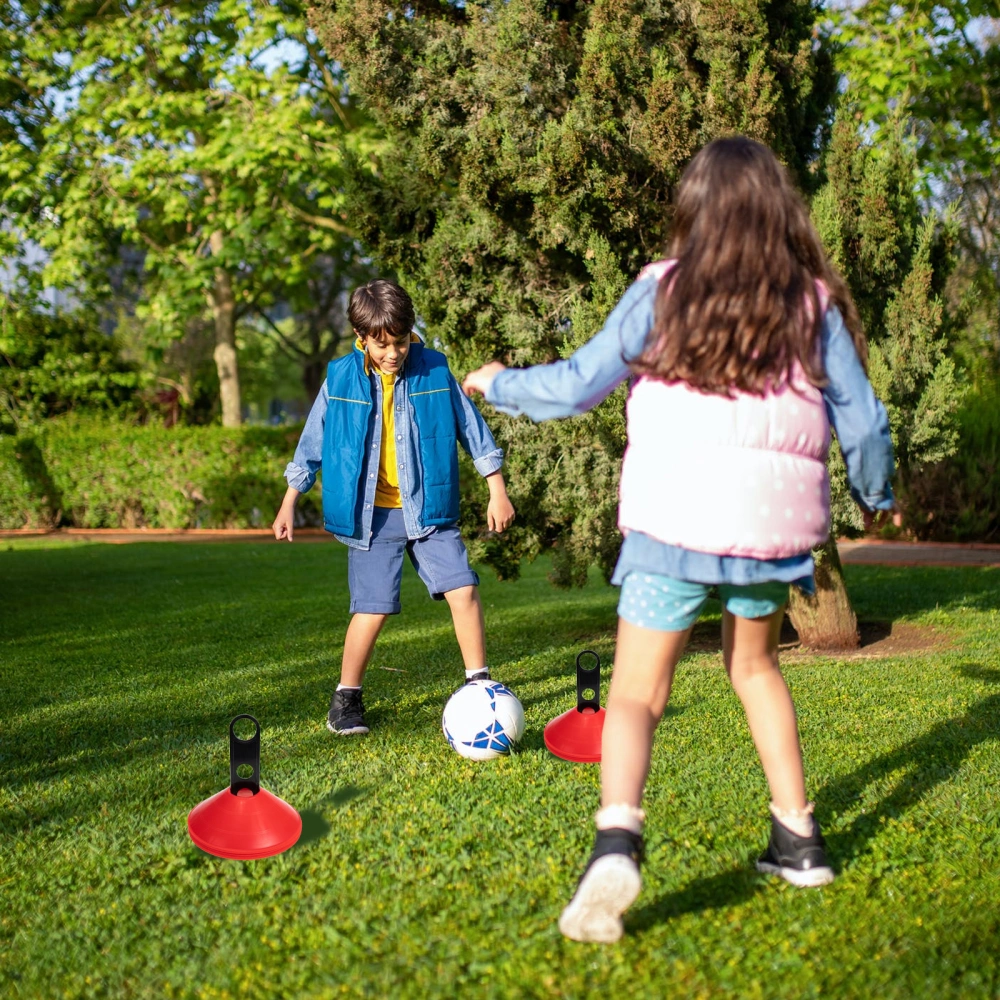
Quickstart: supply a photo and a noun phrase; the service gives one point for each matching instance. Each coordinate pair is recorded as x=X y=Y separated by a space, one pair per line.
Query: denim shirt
x=578 y=383
x=471 y=430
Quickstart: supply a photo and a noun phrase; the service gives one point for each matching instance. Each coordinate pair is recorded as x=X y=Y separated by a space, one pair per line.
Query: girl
x=746 y=347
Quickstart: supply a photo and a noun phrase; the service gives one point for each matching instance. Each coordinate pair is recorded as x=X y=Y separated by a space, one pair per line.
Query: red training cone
x=244 y=821
x=576 y=735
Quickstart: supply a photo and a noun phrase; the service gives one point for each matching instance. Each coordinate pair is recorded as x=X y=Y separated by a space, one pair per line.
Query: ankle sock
x=469 y=674
x=348 y=687
x=621 y=817
x=799 y=821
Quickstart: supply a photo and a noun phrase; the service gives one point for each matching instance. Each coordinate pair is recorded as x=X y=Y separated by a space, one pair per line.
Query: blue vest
x=347 y=438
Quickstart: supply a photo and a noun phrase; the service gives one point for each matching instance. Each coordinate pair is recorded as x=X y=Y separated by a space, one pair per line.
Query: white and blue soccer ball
x=483 y=719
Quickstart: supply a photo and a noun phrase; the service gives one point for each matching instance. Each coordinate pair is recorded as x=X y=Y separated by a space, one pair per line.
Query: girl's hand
x=499 y=513
x=875 y=519
x=482 y=378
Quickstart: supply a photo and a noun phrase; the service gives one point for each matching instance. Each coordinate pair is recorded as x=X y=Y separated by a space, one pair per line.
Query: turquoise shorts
x=665 y=604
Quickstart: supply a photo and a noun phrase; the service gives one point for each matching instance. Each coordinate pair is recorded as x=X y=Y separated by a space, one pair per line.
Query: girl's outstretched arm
x=858 y=417
x=577 y=384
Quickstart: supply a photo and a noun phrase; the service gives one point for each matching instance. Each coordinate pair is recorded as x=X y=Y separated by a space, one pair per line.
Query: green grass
x=423 y=875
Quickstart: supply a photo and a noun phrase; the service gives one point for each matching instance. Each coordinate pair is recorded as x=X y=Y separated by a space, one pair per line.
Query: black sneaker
x=347 y=713
x=481 y=675
x=608 y=887
x=799 y=860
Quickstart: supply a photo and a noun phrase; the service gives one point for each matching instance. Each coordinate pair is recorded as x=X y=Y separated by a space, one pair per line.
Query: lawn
x=420 y=874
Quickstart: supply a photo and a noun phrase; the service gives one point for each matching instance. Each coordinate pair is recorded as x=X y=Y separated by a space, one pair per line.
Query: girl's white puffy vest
x=741 y=476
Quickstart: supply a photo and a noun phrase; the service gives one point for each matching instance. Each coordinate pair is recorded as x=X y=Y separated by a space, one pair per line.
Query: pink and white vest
x=741 y=476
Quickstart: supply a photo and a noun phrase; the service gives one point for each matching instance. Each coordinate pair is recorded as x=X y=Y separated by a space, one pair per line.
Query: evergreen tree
x=896 y=260
x=532 y=149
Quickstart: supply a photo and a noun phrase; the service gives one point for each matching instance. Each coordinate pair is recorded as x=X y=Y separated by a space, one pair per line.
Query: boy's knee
x=462 y=597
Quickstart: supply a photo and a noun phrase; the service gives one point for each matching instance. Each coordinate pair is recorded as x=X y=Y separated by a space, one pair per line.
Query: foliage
x=53 y=363
x=124 y=664
x=110 y=474
x=530 y=157
x=173 y=129
x=959 y=498
x=938 y=64
x=896 y=261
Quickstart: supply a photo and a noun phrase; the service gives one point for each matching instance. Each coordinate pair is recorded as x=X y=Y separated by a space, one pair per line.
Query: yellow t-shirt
x=387 y=488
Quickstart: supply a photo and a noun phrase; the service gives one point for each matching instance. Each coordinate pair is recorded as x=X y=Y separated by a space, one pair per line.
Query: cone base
x=244 y=827
x=576 y=735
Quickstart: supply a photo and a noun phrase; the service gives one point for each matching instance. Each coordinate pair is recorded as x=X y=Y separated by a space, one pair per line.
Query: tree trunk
x=313 y=374
x=223 y=304
x=826 y=620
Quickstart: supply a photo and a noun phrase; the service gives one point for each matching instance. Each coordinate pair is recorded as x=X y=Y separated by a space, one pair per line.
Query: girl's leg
x=470 y=631
x=640 y=687
x=359 y=643
x=750 y=652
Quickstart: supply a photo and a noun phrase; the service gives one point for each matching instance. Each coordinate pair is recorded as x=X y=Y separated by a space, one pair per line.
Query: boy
x=385 y=428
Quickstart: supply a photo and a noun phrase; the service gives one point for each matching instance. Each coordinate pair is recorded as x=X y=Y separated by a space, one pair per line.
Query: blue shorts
x=665 y=604
x=375 y=574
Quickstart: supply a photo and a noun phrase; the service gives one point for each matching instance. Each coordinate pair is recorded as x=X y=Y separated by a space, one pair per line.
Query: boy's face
x=387 y=353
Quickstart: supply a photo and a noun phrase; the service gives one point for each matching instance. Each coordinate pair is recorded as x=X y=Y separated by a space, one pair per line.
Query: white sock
x=348 y=687
x=799 y=821
x=620 y=817
x=469 y=674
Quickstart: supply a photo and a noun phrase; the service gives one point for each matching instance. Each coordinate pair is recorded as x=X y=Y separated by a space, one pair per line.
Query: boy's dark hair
x=381 y=309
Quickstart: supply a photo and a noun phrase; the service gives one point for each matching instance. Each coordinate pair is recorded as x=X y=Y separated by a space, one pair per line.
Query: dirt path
x=870 y=551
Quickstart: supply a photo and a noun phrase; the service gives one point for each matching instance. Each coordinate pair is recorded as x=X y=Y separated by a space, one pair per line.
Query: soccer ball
x=483 y=719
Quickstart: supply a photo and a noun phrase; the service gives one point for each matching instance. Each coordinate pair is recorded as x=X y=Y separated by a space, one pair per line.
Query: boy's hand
x=284 y=523
x=481 y=379
x=499 y=513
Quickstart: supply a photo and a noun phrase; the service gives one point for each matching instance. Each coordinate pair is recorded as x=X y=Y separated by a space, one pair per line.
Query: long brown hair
x=740 y=309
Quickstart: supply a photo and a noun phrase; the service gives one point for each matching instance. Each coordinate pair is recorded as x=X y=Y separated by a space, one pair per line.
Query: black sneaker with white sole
x=347 y=713
x=799 y=860
x=609 y=886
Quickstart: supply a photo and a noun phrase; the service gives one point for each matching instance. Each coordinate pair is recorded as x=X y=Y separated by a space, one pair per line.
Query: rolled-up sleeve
x=858 y=418
x=300 y=473
x=578 y=383
x=473 y=433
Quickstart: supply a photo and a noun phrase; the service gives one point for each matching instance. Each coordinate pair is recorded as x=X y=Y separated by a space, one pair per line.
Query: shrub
x=958 y=499
x=93 y=473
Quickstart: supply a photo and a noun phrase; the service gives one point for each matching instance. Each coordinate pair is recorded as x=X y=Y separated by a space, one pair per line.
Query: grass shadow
x=315 y=826
x=713 y=892
x=928 y=761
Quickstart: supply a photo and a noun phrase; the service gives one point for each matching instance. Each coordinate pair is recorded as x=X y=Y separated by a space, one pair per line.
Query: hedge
x=959 y=499
x=104 y=473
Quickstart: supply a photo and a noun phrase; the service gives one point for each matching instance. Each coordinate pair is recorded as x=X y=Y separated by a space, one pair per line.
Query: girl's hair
x=381 y=309
x=739 y=310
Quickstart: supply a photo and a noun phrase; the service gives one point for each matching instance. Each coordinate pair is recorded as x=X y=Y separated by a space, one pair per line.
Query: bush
x=959 y=499
x=92 y=473
x=52 y=364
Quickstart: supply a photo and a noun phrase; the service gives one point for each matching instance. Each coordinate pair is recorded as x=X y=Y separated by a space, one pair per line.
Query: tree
x=531 y=153
x=187 y=130
x=896 y=260
x=938 y=64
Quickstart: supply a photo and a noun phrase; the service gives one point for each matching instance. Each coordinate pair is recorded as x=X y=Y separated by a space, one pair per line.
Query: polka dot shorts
x=665 y=604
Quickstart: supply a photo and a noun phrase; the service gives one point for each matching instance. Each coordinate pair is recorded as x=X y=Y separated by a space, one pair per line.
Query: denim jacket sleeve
x=578 y=383
x=859 y=419
x=475 y=437
x=301 y=470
